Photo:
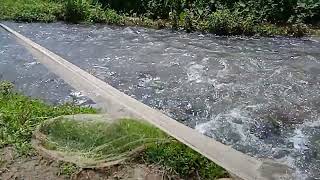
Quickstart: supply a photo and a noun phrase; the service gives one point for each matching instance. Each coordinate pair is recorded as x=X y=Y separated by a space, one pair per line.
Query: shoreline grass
x=236 y=18
x=97 y=140
x=19 y=116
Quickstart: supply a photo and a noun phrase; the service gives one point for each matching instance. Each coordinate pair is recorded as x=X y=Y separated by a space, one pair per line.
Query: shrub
x=297 y=30
x=185 y=20
x=223 y=17
x=157 y=9
x=97 y=14
x=112 y=17
x=36 y=12
x=220 y=22
x=30 y=11
x=76 y=10
x=307 y=11
x=224 y=22
x=269 y=30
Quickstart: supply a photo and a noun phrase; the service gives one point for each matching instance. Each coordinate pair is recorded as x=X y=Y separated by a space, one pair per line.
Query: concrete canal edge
x=118 y=104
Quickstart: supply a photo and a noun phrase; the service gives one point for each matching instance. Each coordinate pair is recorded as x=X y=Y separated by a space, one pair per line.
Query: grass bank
x=232 y=17
x=20 y=115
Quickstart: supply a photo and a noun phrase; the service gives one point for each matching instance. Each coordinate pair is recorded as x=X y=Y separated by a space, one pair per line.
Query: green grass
x=178 y=158
x=100 y=140
x=67 y=169
x=19 y=116
x=30 y=10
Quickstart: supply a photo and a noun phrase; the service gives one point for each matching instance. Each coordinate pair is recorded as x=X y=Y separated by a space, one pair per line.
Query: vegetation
x=100 y=139
x=224 y=17
x=67 y=169
x=180 y=159
x=30 y=10
x=19 y=115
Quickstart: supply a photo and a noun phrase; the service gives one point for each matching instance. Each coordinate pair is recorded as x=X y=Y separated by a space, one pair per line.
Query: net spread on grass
x=92 y=141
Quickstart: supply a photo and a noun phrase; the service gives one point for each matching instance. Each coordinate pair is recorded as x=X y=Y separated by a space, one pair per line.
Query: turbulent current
x=259 y=95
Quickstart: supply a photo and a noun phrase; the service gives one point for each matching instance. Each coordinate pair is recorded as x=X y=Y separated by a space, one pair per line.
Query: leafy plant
x=227 y=22
x=6 y=87
x=30 y=10
x=307 y=11
x=96 y=14
x=112 y=17
x=76 y=10
x=67 y=169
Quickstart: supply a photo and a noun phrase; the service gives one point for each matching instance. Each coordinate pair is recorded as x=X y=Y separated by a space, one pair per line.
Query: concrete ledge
x=119 y=104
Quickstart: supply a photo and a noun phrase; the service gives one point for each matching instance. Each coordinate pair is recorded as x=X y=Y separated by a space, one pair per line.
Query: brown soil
x=27 y=168
x=35 y=167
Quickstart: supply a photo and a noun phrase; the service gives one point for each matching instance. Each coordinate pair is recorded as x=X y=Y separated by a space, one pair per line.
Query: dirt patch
x=36 y=167
x=27 y=168
x=129 y=171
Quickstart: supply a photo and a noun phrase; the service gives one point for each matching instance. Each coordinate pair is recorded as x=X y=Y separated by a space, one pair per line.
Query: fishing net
x=93 y=141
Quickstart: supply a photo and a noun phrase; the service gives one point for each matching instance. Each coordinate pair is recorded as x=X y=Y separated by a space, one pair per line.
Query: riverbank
x=221 y=18
x=20 y=115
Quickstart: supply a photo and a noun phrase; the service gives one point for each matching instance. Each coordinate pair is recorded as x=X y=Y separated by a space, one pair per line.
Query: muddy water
x=259 y=95
x=19 y=67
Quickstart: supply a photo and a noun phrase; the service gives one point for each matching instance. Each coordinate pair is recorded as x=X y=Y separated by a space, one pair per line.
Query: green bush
x=157 y=9
x=297 y=30
x=224 y=17
x=220 y=22
x=37 y=12
x=30 y=10
x=112 y=17
x=96 y=14
x=269 y=30
x=225 y=22
x=307 y=11
x=76 y=10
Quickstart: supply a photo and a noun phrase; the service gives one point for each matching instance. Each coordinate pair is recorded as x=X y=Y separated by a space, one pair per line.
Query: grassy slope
x=19 y=115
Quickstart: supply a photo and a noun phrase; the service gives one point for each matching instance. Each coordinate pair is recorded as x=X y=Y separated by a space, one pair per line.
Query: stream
x=259 y=95
x=30 y=77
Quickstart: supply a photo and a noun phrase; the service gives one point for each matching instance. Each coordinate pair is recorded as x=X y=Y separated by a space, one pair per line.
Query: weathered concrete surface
x=118 y=104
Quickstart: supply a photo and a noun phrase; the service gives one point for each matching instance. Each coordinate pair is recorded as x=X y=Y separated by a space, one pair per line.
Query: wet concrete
x=259 y=95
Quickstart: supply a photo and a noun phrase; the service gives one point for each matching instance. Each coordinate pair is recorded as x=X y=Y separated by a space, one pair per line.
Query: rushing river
x=30 y=77
x=260 y=95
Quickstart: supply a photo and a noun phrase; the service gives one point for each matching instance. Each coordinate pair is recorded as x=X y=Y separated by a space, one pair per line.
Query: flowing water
x=19 y=67
x=260 y=95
